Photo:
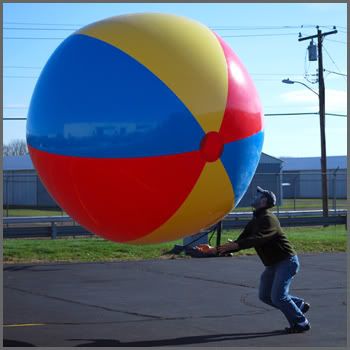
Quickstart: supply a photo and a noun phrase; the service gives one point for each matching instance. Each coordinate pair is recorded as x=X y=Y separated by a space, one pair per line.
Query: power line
x=337 y=115
x=268 y=79
x=260 y=74
x=300 y=27
x=25 y=67
x=279 y=114
x=258 y=35
x=14 y=107
x=332 y=60
x=213 y=28
x=44 y=24
x=330 y=57
x=15 y=118
x=336 y=41
x=36 y=76
x=267 y=115
x=277 y=74
x=30 y=38
x=21 y=76
x=302 y=113
x=252 y=27
x=252 y=74
x=224 y=36
x=26 y=28
x=281 y=106
x=281 y=74
x=329 y=71
x=220 y=26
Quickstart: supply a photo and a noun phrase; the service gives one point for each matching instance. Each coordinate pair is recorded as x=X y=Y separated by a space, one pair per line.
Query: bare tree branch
x=15 y=148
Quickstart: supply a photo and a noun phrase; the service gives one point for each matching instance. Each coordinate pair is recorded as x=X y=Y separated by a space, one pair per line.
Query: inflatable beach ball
x=145 y=128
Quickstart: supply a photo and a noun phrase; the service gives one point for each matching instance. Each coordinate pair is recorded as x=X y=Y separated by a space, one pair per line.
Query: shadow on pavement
x=16 y=343
x=178 y=341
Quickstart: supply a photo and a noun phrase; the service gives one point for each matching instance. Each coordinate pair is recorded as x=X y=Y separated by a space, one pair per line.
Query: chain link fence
x=24 y=192
x=303 y=189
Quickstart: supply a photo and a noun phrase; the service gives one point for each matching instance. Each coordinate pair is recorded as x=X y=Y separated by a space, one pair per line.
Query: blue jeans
x=274 y=289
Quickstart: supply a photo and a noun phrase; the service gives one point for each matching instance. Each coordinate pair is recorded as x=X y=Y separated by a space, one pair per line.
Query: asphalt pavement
x=197 y=302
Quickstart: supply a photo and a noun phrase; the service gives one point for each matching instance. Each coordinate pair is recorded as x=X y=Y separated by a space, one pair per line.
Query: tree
x=15 y=148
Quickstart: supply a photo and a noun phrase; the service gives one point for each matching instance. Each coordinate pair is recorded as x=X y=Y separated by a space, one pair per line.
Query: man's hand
x=206 y=248
x=222 y=249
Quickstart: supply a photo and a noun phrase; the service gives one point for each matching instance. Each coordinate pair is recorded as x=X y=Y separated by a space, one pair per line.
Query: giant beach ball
x=145 y=128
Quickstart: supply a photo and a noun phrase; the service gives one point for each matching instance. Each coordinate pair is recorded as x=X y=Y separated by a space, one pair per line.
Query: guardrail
x=47 y=226
x=42 y=226
x=292 y=213
x=291 y=218
x=292 y=221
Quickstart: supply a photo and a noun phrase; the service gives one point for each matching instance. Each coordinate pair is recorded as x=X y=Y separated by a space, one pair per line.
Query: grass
x=32 y=212
x=305 y=240
x=78 y=249
x=305 y=203
x=312 y=203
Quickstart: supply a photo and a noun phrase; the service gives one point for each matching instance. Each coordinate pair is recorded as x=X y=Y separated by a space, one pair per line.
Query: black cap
x=271 y=198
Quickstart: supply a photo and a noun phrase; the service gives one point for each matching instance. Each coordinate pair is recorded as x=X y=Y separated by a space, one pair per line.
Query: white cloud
x=336 y=100
x=300 y=96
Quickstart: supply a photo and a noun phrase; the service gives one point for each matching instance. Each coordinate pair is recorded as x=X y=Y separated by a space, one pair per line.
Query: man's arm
x=233 y=246
x=246 y=231
x=267 y=230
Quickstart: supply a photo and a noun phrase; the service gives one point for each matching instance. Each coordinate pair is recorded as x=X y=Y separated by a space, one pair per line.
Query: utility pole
x=321 y=93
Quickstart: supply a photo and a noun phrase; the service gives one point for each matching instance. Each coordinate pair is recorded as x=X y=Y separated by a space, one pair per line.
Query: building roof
x=313 y=163
x=17 y=163
x=266 y=158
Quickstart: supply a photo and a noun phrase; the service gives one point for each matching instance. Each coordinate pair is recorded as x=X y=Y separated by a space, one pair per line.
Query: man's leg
x=284 y=274
x=265 y=287
x=297 y=301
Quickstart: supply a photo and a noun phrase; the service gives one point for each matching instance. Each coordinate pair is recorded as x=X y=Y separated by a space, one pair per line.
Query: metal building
x=268 y=175
x=302 y=177
x=22 y=186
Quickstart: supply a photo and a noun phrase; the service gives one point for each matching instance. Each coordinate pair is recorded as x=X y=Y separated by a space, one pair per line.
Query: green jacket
x=264 y=233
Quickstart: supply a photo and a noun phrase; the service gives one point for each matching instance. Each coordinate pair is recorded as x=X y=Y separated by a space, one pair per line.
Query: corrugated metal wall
x=24 y=188
x=19 y=188
x=44 y=199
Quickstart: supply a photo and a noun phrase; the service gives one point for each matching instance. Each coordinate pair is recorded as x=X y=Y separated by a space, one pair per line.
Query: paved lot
x=181 y=302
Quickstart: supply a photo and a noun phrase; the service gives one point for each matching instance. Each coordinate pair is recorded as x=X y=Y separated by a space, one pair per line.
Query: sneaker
x=305 y=308
x=297 y=328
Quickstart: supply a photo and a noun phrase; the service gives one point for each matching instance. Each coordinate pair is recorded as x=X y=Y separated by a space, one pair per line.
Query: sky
x=264 y=36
